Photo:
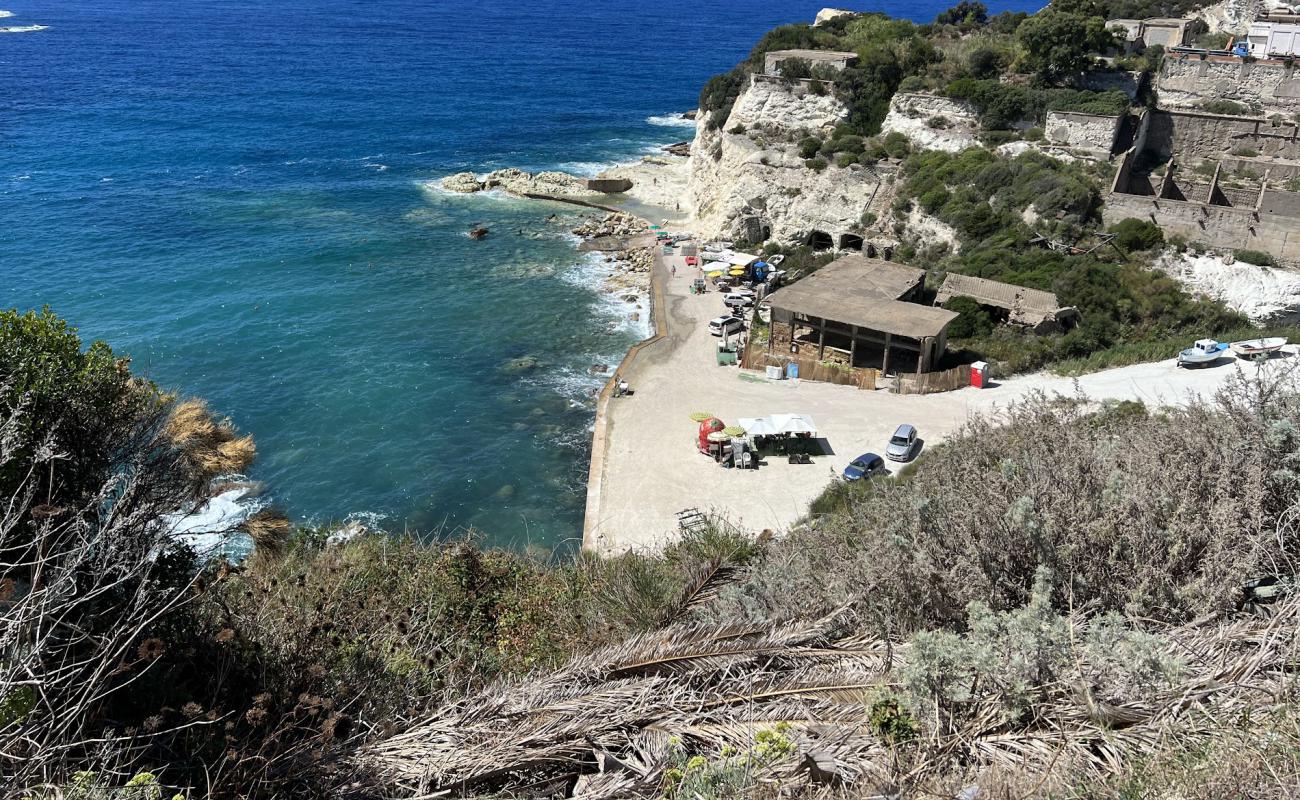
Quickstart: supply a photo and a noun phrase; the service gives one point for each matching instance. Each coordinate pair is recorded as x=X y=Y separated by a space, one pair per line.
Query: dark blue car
x=867 y=465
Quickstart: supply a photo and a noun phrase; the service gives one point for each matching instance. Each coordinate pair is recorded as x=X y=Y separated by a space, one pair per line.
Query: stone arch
x=820 y=240
x=850 y=241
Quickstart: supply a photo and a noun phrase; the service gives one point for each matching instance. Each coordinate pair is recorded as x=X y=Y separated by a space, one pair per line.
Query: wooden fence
x=757 y=357
x=931 y=382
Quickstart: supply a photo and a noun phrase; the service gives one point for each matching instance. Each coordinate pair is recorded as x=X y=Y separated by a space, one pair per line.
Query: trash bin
x=979 y=374
x=792 y=371
x=774 y=373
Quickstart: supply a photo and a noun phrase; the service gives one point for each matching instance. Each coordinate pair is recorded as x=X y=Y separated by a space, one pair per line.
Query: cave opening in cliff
x=820 y=240
x=849 y=241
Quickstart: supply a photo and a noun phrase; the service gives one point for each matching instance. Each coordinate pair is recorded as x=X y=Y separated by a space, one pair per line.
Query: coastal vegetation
x=936 y=621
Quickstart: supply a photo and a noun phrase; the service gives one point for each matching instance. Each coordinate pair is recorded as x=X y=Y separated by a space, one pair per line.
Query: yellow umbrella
x=717 y=273
x=734 y=430
x=700 y=416
x=737 y=272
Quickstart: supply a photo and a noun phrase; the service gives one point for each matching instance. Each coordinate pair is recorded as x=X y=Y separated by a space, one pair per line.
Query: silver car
x=901 y=444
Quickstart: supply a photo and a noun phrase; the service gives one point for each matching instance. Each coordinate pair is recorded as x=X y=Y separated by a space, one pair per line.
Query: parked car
x=867 y=465
x=902 y=444
x=729 y=325
x=738 y=300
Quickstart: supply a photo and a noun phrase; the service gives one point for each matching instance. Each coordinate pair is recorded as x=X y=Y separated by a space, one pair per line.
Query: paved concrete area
x=652 y=469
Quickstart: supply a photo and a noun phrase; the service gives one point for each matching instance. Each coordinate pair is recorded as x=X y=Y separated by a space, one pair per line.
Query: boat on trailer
x=1203 y=352
x=1258 y=348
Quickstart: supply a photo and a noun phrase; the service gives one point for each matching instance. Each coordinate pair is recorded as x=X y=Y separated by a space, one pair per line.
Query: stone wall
x=1187 y=81
x=1085 y=131
x=1191 y=136
x=1274 y=229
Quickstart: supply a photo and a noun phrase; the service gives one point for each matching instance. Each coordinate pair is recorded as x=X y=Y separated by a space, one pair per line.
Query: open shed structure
x=856 y=312
x=1032 y=308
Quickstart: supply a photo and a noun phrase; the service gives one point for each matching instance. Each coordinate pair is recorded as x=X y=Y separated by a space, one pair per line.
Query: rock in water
x=463 y=182
x=478 y=233
x=521 y=364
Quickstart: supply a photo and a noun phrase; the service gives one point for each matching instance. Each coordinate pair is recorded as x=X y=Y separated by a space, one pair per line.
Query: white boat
x=1204 y=351
x=1256 y=348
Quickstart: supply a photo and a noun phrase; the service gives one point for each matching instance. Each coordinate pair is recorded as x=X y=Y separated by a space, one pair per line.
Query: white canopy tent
x=779 y=425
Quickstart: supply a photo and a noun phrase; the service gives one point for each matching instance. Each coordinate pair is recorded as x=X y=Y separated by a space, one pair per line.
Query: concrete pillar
x=853 y=347
x=884 y=366
x=821 y=340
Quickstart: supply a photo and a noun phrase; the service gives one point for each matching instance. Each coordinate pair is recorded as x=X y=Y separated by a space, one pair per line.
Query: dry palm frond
x=700 y=588
x=716 y=690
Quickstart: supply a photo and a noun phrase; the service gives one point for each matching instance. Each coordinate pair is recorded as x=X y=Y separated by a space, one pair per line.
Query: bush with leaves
x=1137 y=234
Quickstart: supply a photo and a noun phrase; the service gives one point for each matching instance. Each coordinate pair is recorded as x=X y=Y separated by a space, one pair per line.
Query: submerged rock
x=521 y=364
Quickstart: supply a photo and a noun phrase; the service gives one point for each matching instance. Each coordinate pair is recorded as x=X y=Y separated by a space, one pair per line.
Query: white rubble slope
x=1264 y=294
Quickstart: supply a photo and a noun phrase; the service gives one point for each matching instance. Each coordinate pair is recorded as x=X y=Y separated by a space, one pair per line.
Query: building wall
x=1166 y=36
x=1187 y=81
x=1191 y=137
x=1275 y=229
x=1087 y=131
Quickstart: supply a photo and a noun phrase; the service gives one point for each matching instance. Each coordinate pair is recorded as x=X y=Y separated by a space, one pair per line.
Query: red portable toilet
x=979 y=374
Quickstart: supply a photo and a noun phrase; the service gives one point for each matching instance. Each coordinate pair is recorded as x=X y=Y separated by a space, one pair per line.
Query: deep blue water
x=231 y=192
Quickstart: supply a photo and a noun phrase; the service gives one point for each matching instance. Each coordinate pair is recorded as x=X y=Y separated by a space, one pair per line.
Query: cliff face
x=753 y=184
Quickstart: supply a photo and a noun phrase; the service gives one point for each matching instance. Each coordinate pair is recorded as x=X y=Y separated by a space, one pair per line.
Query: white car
x=738 y=300
x=728 y=325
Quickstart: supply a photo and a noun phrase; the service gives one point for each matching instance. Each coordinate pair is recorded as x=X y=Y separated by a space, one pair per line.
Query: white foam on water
x=377 y=167
x=4 y=14
x=24 y=28
x=588 y=169
x=671 y=121
x=208 y=528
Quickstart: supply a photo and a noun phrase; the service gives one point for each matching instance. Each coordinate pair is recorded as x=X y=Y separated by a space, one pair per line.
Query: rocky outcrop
x=931 y=122
x=748 y=181
x=516 y=181
x=784 y=107
x=827 y=14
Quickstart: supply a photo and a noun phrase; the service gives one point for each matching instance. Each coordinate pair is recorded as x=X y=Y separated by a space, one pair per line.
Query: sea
x=241 y=196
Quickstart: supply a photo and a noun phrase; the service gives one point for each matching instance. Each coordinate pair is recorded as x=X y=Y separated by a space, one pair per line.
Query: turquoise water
x=234 y=193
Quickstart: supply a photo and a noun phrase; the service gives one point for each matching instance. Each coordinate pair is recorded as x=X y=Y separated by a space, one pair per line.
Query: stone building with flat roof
x=856 y=312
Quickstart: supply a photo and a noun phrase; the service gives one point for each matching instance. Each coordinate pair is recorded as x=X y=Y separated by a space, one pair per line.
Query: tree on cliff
x=1056 y=43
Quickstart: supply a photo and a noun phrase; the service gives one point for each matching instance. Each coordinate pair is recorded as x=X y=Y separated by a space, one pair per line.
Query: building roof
x=856 y=290
x=1025 y=303
x=813 y=55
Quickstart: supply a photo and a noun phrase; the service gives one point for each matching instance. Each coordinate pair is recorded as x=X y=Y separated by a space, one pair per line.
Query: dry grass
x=210 y=446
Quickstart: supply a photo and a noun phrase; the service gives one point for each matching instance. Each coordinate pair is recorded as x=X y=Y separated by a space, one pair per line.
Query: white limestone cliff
x=749 y=181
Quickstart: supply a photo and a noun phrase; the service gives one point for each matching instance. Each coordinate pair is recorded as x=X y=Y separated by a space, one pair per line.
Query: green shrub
x=1227 y=107
x=1254 y=257
x=938 y=122
x=809 y=146
x=1137 y=234
x=845 y=160
x=816 y=164
x=737 y=129
x=973 y=319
